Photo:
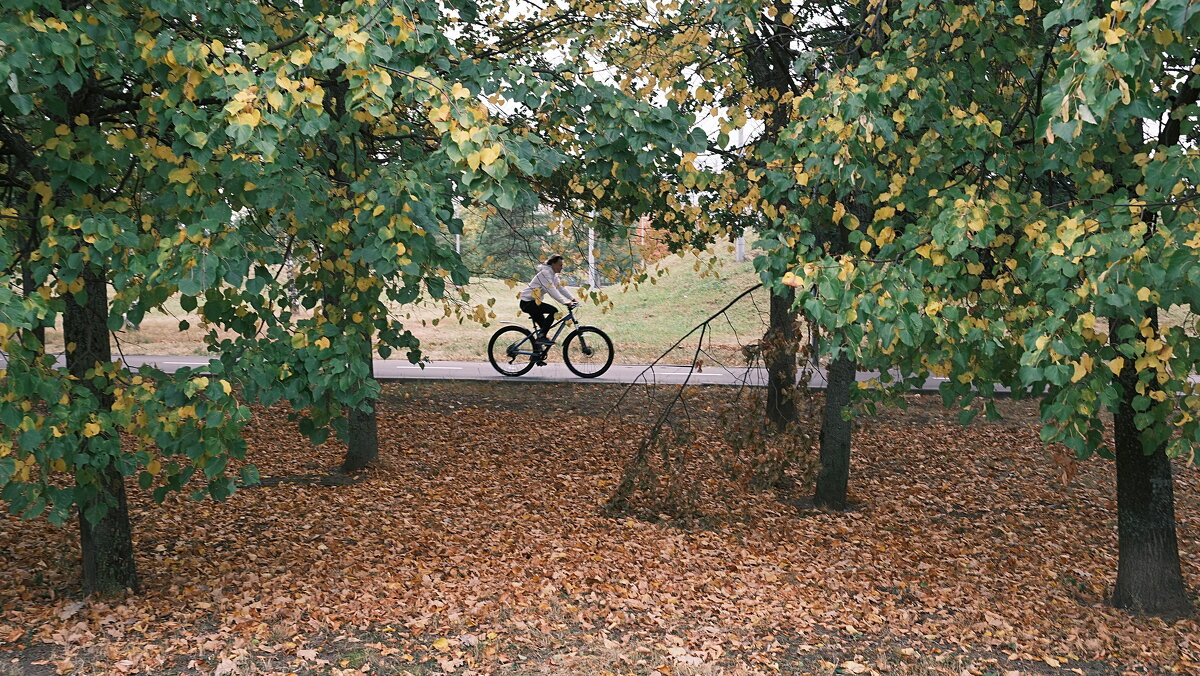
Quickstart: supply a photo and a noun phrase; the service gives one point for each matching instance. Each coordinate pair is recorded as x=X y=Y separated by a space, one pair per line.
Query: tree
x=753 y=64
x=976 y=276
x=972 y=194
x=1117 y=124
x=507 y=243
x=396 y=133
x=99 y=187
x=188 y=149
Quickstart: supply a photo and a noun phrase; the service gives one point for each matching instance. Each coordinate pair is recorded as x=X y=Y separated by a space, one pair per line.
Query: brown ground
x=478 y=545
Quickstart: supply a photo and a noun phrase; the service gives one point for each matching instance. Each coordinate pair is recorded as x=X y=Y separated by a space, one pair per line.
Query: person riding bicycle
x=532 y=298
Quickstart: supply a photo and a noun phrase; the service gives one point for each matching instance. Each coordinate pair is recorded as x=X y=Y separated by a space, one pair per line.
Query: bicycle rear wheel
x=511 y=350
x=588 y=352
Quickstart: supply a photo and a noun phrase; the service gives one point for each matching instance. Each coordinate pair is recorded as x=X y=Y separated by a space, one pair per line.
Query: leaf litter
x=478 y=544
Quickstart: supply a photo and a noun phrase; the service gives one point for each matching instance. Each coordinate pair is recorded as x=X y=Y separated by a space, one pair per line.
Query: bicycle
x=587 y=350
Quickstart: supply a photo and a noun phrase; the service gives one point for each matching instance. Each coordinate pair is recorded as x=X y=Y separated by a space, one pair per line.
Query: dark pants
x=542 y=313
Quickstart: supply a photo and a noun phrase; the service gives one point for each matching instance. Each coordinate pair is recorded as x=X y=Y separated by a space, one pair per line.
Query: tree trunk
x=106 y=540
x=1149 y=579
x=834 y=478
x=362 y=442
x=780 y=346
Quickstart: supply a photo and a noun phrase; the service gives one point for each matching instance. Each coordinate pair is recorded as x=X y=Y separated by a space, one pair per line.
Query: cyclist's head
x=556 y=262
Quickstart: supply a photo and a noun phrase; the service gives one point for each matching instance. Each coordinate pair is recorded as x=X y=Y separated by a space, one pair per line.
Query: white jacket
x=546 y=281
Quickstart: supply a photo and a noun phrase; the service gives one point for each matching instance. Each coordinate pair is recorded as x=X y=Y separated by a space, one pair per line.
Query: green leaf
x=249 y=475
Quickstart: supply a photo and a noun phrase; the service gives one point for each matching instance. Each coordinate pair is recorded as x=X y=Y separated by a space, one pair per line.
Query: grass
x=643 y=320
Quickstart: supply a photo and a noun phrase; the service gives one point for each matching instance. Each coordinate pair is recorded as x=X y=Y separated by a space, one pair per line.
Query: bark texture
x=1149 y=579
x=106 y=542
x=362 y=443
x=834 y=477
x=780 y=345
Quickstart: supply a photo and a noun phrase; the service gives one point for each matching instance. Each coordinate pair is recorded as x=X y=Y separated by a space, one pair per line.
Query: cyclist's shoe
x=539 y=362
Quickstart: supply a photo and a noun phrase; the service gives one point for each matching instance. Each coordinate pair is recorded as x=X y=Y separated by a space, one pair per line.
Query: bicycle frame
x=557 y=328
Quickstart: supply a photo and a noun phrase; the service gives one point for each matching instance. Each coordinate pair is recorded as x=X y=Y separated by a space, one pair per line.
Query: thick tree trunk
x=1149 y=579
x=107 y=544
x=834 y=477
x=107 y=540
x=362 y=443
x=780 y=346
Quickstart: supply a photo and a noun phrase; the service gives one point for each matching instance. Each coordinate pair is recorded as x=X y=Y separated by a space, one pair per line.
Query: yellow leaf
x=839 y=210
x=300 y=57
x=1143 y=294
x=489 y=155
x=1116 y=365
x=322 y=343
x=180 y=175
x=1027 y=5
x=154 y=466
x=275 y=99
x=226 y=387
x=442 y=644
x=1042 y=342
x=248 y=186
x=58 y=465
x=1082 y=367
x=250 y=119
x=91 y=429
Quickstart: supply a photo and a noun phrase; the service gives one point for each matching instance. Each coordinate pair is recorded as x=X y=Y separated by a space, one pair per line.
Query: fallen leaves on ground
x=478 y=545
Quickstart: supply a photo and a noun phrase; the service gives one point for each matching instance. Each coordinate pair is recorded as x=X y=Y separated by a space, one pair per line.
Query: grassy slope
x=643 y=321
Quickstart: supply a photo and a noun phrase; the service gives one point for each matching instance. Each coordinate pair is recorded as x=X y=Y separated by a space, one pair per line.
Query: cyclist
x=532 y=298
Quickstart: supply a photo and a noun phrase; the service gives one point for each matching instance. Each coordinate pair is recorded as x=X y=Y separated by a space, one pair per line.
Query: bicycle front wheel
x=511 y=351
x=588 y=352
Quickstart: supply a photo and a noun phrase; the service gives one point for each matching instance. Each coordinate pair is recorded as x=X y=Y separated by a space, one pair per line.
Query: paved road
x=553 y=372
